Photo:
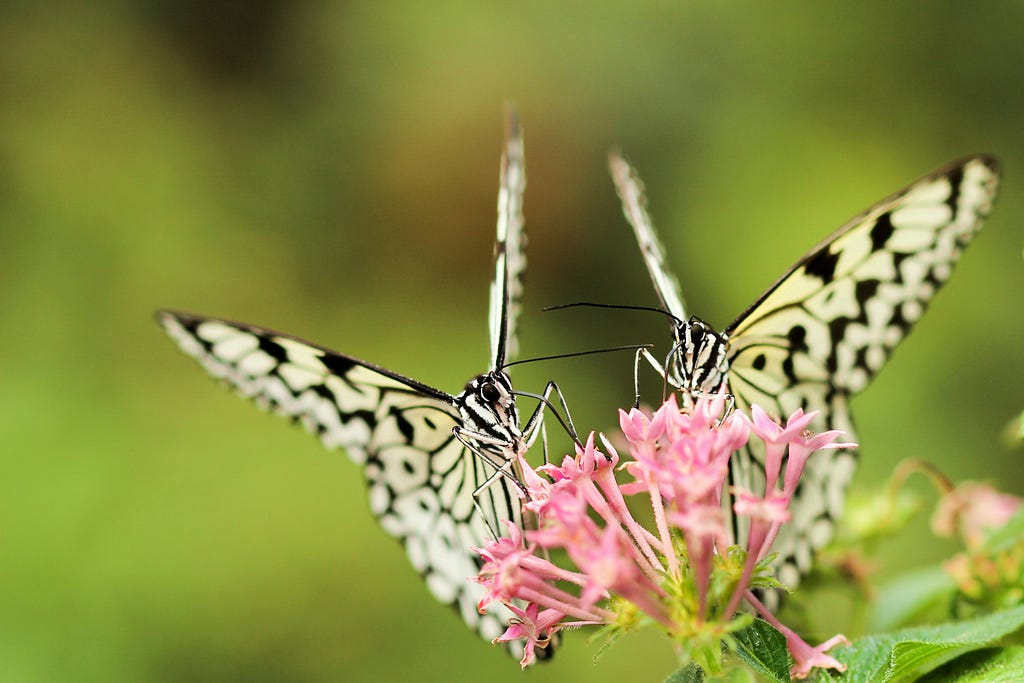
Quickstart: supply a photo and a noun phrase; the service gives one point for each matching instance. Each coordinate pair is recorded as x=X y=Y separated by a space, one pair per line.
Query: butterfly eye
x=489 y=393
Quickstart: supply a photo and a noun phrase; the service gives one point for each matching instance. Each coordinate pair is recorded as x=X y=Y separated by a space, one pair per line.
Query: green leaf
x=984 y=666
x=762 y=647
x=691 y=673
x=908 y=654
x=908 y=596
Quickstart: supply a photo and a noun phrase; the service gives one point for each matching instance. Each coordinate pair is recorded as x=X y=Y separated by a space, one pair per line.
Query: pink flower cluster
x=985 y=573
x=680 y=574
x=972 y=511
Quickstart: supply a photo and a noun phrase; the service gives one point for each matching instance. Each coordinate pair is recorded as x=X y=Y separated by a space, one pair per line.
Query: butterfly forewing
x=420 y=478
x=509 y=250
x=839 y=312
x=820 y=333
x=634 y=205
x=825 y=328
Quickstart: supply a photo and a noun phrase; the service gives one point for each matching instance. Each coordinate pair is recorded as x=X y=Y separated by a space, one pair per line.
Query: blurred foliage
x=330 y=169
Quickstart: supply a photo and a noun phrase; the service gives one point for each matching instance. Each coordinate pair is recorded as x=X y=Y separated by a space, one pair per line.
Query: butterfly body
x=490 y=415
x=819 y=334
x=699 y=360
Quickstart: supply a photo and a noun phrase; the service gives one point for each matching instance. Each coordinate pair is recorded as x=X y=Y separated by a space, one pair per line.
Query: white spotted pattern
x=820 y=333
x=420 y=478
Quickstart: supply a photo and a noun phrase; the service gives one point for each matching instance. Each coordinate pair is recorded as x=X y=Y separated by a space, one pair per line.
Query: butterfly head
x=488 y=407
x=698 y=362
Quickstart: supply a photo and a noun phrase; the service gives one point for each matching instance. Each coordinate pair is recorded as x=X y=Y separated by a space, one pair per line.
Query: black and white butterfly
x=431 y=459
x=820 y=333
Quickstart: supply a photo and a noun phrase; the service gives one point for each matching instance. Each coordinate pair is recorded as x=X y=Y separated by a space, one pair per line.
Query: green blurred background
x=330 y=169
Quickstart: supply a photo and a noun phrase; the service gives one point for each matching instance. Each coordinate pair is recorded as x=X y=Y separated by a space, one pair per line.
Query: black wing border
x=987 y=159
x=193 y=319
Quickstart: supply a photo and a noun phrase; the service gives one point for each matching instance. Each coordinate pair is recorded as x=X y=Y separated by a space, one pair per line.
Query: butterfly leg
x=475 y=442
x=645 y=354
x=502 y=466
x=544 y=443
x=536 y=418
x=661 y=369
x=482 y=489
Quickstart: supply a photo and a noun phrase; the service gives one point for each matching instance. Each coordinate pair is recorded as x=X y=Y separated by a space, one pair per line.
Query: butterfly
x=821 y=332
x=438 y=467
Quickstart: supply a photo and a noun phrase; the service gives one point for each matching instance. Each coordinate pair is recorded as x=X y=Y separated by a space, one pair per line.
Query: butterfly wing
x=820 y=333
x=420 y=478
x=634 y=205
x=509 y=249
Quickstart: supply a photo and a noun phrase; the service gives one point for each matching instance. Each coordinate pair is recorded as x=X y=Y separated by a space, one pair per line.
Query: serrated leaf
x=908 y=595
x=763 y=648
x=908 y=654
x=1004 y=665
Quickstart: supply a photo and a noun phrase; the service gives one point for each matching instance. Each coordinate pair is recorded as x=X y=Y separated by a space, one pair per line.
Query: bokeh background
x=330 y=169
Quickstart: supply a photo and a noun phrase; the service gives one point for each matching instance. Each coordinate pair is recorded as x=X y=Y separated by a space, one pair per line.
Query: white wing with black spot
x=420 y=478
x=820 y=333
x=826 y=327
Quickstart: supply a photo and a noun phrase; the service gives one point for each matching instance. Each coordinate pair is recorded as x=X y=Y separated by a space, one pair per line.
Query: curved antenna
x=574 y=354
x=624 y=307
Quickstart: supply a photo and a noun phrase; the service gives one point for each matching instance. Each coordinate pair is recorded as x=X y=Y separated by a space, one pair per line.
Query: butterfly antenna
x=624 y=307
x=574 y=354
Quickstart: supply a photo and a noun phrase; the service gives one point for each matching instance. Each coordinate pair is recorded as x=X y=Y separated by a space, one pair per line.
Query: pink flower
x=801 y=448
x=805 y=657
x=766 y=516
x=668 y=570
x=703 y=521
x=703 y=529
x=637 y=427
x=770 y=509
x=777 y=438
x=502 y=560
x=973 y=510
x=532 y=626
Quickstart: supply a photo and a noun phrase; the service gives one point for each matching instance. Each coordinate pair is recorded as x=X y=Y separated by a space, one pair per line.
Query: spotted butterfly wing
x=820 y=333
x=421 y=476
x=509 y=252
x=634 y=206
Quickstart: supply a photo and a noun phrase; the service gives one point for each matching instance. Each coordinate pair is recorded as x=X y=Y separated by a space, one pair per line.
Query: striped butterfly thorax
x=424 y=452
x=819 y=334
